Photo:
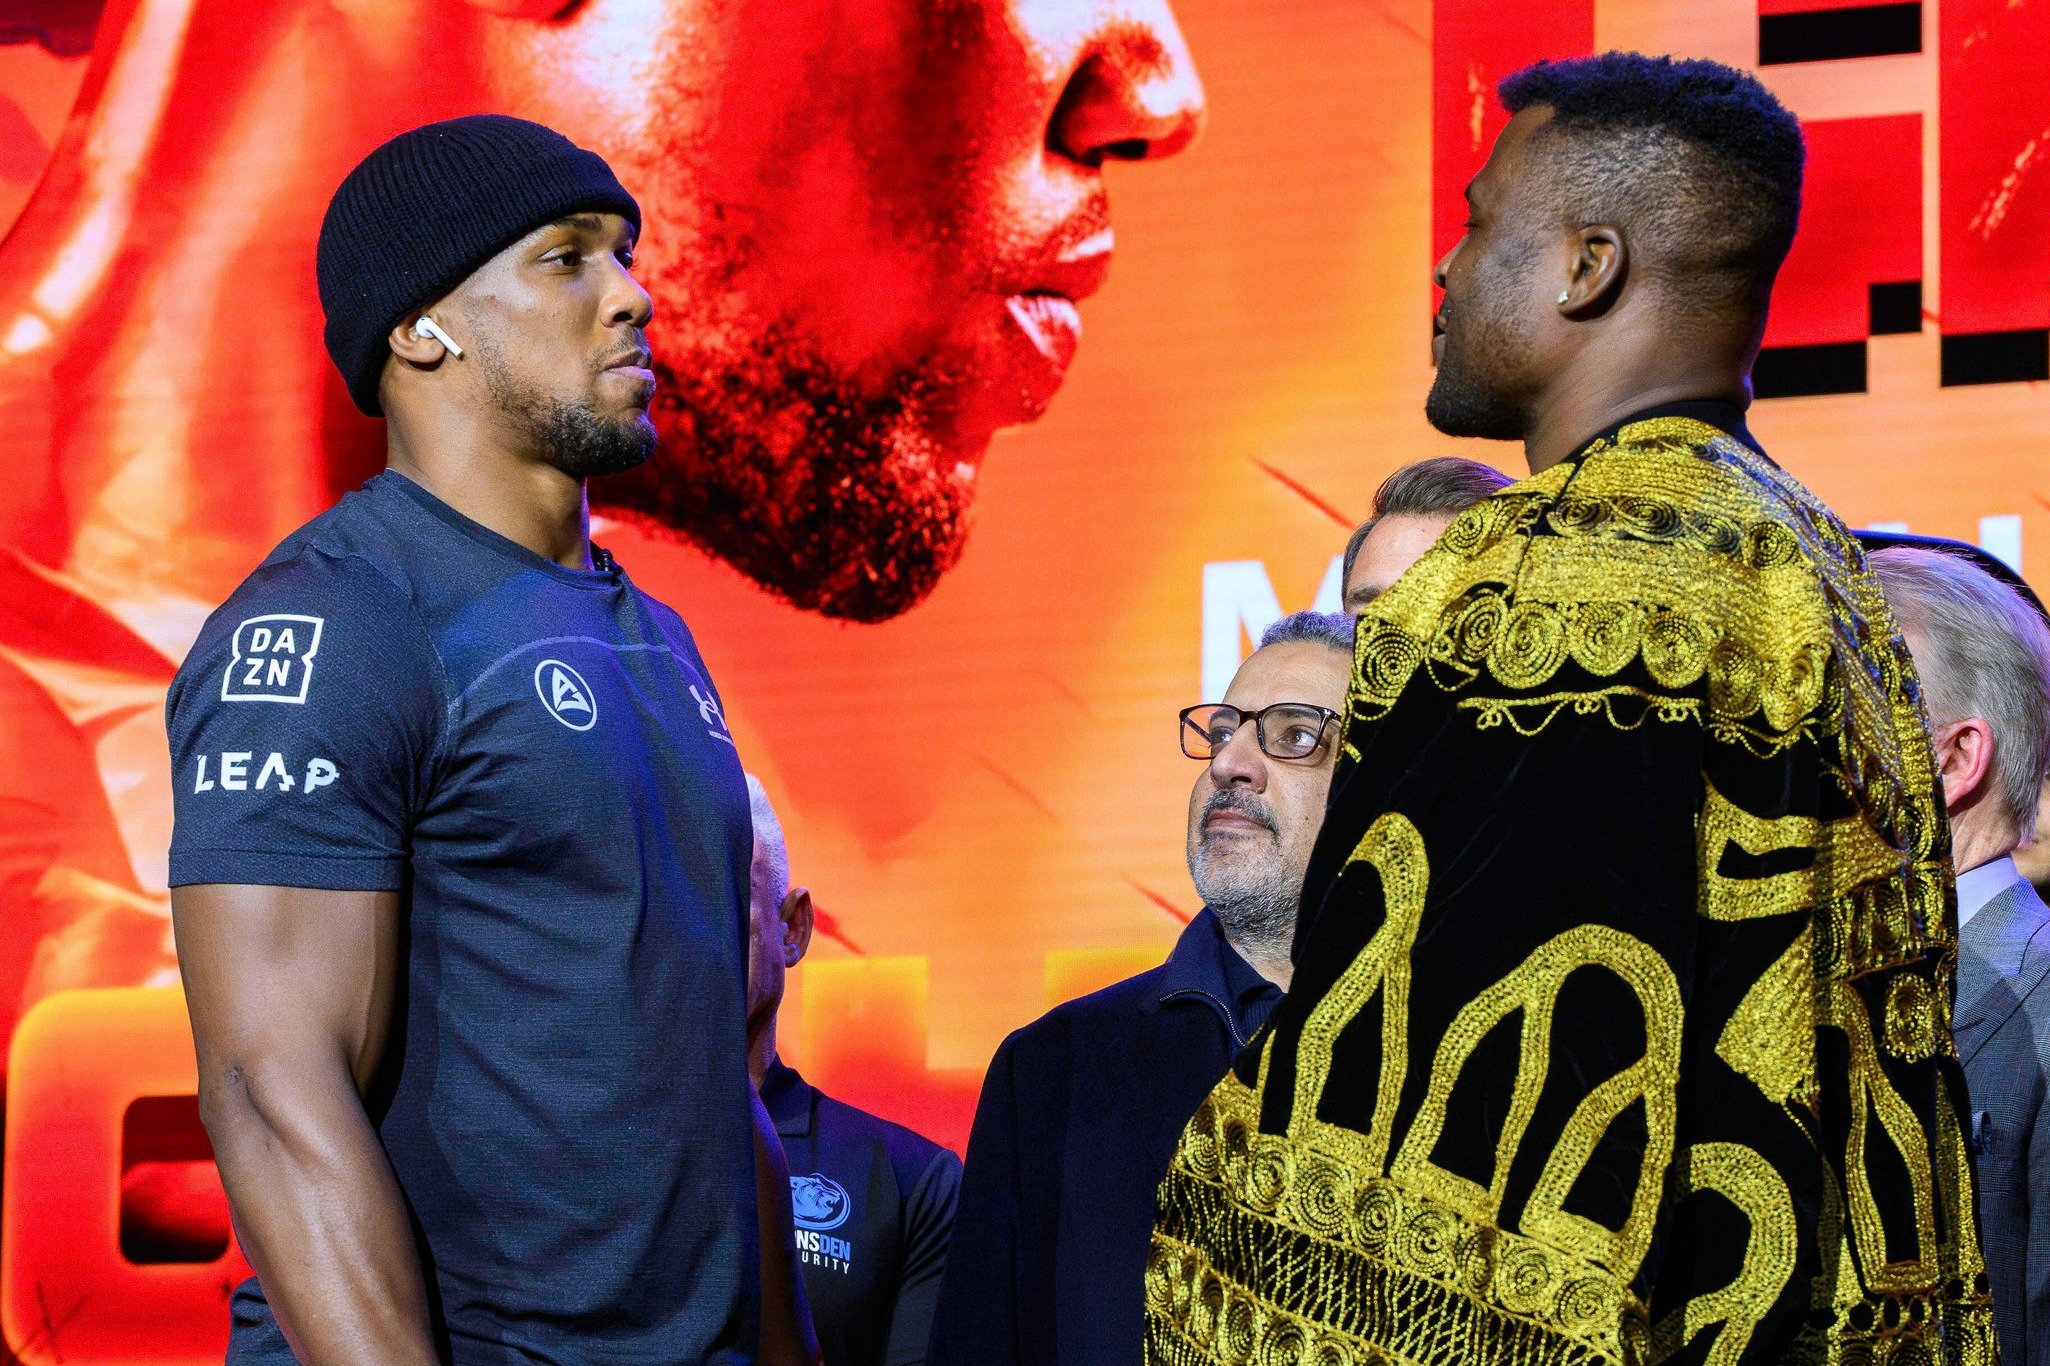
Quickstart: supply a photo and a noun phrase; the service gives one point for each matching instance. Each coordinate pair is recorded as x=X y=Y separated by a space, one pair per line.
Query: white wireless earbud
x=427 y=327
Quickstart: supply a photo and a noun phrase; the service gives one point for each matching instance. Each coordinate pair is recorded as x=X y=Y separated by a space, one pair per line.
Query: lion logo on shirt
x=818 y=1202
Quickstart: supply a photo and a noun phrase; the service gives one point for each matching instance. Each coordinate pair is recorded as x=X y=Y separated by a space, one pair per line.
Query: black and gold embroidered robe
x=1620 y=1028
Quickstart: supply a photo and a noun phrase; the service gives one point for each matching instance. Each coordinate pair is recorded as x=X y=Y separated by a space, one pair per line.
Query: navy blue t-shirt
x=401 y=699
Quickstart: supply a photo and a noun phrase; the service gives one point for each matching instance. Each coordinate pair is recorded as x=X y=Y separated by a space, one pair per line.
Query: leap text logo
x=273 y=659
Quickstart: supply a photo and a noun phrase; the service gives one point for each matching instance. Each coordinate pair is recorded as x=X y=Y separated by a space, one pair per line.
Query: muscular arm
x=787 y=1336
x=291 y=994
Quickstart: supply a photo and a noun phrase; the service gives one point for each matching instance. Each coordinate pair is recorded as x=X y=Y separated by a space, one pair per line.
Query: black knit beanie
x=421 y=212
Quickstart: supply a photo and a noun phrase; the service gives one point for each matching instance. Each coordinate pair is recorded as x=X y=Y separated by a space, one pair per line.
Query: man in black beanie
x=460 y=866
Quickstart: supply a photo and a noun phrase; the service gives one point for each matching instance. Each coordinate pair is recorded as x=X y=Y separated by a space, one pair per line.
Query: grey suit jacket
x=2003 y=1038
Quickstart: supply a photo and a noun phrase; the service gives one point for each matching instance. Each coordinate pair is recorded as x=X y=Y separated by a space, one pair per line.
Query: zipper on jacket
x=1231 y=1024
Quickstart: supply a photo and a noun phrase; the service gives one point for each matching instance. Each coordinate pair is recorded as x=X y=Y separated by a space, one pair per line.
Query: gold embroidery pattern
x=1400 y=1277
x=1747 y=1181
x=1769 y=1037
x=1652 y=1081
x=1759 y=645
x=1747 y=614
x=1414 y=1258
x=1670 y=578
x=1626 y=708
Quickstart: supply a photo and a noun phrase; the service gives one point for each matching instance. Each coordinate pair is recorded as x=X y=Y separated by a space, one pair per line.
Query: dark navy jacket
x=1079 y=1115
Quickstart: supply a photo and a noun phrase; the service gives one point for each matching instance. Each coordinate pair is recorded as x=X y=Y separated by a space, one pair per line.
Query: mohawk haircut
x=1697 y=162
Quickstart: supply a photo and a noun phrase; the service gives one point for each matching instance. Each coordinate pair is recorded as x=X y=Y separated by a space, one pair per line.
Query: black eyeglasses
x=1286 y=730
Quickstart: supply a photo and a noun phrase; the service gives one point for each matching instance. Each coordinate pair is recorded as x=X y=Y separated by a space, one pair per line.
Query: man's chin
x=1458 y=408
x=849 y=508
x=1234 y=854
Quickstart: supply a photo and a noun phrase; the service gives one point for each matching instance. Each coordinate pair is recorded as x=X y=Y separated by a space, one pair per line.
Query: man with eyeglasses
x=1081 y=1109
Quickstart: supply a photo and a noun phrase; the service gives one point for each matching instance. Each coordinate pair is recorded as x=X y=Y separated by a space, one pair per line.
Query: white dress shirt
x=1977 y=886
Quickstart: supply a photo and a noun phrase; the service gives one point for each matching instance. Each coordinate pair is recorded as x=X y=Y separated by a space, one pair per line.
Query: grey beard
x=1258 y=911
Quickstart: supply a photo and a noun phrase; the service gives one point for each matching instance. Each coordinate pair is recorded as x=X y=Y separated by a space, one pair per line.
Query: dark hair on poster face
x=1698 y=159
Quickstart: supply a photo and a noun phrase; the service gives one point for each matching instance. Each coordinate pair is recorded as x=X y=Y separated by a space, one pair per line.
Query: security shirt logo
x=563 y=691
x=818 y=1202
x=272 y=659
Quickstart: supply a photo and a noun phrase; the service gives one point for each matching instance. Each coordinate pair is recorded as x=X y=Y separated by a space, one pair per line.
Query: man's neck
x=528 y=502
x=1977 y=837
x=761 y=1049
x=1567 y=422
x=1272 y=963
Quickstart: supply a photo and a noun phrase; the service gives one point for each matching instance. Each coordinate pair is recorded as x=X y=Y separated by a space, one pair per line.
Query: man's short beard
x=1472 y=394
x=583 y=445
x=1460 y=406
x=569 y=436
x=1255 y=900
x=834 y=500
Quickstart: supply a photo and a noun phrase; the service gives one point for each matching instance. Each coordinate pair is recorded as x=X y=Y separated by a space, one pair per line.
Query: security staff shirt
x=873 y=1204
x=400 y=699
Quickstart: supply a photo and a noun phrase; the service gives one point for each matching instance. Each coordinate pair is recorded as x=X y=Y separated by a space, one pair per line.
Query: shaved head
x=1696 y=162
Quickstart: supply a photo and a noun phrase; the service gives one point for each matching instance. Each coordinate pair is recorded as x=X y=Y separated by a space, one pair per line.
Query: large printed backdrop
x=984 y=792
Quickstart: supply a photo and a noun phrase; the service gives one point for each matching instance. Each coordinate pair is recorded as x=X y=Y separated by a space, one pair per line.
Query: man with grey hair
x=1412 y=508
x=873 y=1202
x=1081 y=1108
x=1983 y=654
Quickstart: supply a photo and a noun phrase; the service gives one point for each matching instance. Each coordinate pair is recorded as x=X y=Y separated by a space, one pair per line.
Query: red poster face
x=955 y=559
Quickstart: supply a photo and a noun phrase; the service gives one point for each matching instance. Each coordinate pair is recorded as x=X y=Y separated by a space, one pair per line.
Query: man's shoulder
x=1120 y=1005
x=331 y=591
x=376 y=522
x=910 y=1154
x=2010 y=939
x=1706 y=537
x=294 y=598
x=1679 y=487
x=348 y=555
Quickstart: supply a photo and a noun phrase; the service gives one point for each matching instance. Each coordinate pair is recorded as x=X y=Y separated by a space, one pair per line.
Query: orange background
x=985 y=795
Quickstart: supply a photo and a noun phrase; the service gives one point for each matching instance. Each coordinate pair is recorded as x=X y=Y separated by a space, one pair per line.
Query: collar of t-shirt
x=788 y=1099
x=1718 y=413
x=604 y=573
x=1978 y=886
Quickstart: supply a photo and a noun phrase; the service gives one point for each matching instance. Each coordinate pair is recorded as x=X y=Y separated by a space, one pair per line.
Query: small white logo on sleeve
x=272 y=659
x=563 y=691
x=709 y=713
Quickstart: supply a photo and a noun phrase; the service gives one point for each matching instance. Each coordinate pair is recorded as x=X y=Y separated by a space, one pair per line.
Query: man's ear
x=1594 y=279
x=1964 y=760
x=796 y=915
x=409 y=344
